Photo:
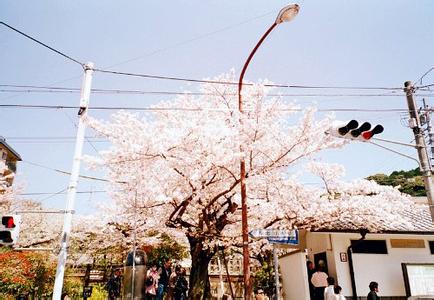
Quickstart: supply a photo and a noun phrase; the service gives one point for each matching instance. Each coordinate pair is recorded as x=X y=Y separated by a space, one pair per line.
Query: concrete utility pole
x=72 y=187
x=425 y=165
x=429 y=129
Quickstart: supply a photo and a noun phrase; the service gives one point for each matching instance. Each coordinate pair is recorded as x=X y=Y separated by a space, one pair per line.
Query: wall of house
x=294 y=276
x=321 y=242
x=384 y=268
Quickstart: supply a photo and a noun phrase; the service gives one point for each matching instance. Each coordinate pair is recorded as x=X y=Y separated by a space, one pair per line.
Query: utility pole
x=427 y=110
x=425 y=165
x=72 y=187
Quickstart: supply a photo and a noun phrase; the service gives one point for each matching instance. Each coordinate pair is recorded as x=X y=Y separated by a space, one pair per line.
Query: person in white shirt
x=338 y=295
x=319 y=281
x=329 y=292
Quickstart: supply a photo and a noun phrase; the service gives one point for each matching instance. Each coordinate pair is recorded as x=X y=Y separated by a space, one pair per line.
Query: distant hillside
x=409 y=182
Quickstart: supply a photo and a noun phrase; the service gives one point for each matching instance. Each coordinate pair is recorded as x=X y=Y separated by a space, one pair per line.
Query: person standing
x=338 y=296
x=181 y=286
x=319 y=281
x=164 y=273
x=172 y=282
x=373 y=287
x=151 y=283
x=310 y=270
x=329 y=292
x=114 y=286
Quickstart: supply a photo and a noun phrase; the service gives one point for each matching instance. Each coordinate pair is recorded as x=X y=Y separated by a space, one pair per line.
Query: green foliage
x=408 y=182
x=98 y=292
x=168 y=248
x=73 y=286
x=263 y=278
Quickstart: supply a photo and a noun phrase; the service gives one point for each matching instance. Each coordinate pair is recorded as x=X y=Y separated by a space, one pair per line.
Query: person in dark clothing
x=373 y=287
x=163 y=281
x=181 y=286
x=310 y=270
x=114 y=286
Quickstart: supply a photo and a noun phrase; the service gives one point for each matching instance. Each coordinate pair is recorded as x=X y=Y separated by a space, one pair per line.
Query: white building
x=401 y=261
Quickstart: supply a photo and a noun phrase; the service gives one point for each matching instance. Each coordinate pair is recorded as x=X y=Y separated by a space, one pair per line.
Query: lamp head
x=287 y=13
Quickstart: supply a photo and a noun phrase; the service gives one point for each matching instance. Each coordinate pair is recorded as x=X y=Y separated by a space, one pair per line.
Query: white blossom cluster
x=177 y=169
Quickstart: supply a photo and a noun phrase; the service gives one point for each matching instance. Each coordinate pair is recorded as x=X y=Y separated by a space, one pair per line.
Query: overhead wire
x=62 y=192
x=162 y=77
x=35 y=106
x=47 y=89
x=65 y=172
x=424 y=74
x=43 y=44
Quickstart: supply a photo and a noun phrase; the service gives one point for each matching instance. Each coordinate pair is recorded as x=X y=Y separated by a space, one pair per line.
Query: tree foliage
x=167 y=248
x=178 y=170
x=408 y=182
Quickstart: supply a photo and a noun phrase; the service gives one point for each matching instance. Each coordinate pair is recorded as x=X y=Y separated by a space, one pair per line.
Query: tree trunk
x=199 y=280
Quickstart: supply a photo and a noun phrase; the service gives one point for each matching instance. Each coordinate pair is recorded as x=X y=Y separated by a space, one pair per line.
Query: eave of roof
x=11 y=150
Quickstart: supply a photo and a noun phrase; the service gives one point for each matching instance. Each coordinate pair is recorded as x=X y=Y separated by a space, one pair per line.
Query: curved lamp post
x=286 y=14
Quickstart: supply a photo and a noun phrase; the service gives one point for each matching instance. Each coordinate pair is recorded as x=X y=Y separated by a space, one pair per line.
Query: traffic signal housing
x=352 y=130
x=9 y=229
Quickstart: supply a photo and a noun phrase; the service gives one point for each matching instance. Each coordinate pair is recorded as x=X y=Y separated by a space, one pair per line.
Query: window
x=431 y=246
x=418 y=279
x=369 y=246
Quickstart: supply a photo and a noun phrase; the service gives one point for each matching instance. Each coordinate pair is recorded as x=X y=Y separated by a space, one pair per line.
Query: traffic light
x=9 y=229
x=352 y=130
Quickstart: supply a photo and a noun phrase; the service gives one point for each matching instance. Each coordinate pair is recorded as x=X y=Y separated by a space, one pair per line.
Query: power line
x=47 y=89
x=60 y=193
x=138 y=92
x=42 y=44
x=424 y=74
x=149 y=76
x=34 y=106
x=64 y=172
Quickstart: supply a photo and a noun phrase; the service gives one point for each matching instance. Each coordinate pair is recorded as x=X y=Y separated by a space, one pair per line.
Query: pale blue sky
x=339 y=43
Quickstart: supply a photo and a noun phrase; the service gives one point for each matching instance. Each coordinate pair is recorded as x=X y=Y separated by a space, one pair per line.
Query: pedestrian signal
x=10 y=229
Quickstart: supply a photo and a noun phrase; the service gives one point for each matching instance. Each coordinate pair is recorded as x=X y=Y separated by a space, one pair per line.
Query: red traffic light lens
x=8 y=222
x=369 y=134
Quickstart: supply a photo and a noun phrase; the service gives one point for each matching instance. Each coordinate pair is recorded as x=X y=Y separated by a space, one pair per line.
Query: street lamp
x=286 y=14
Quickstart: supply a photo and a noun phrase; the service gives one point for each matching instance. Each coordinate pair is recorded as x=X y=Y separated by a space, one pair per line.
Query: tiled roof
x=419 y=217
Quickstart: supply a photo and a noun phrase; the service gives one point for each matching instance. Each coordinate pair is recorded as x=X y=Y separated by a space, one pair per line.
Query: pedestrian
x=337 y=291
x=373 y=288
x=65 y=296
x=261 y=295
x=151 y=283
x=329 y=293
x=163 y=281
x=319 y=281
x=181 y=286
x=114 y=286
x=310 y=270
x=172 y=282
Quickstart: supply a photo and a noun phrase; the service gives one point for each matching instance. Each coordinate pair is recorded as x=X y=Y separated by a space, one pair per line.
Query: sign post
x=276 y=237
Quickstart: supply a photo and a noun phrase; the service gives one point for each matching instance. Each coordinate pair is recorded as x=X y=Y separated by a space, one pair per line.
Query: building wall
x=294 y=276
x=384 y=268
x=321 y=242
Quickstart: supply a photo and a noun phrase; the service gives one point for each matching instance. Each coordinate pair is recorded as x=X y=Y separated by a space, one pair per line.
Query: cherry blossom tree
x=177 y=169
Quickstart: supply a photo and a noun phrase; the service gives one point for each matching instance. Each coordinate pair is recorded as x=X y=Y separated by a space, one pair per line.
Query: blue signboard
x=277 y=236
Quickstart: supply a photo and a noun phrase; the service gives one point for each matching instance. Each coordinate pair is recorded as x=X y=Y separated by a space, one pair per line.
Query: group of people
x=160 y=283
x=165 y=283
x=323 y=287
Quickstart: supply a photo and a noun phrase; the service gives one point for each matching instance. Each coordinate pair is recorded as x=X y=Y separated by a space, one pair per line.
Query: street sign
x=276 y=236
x=87 y=291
